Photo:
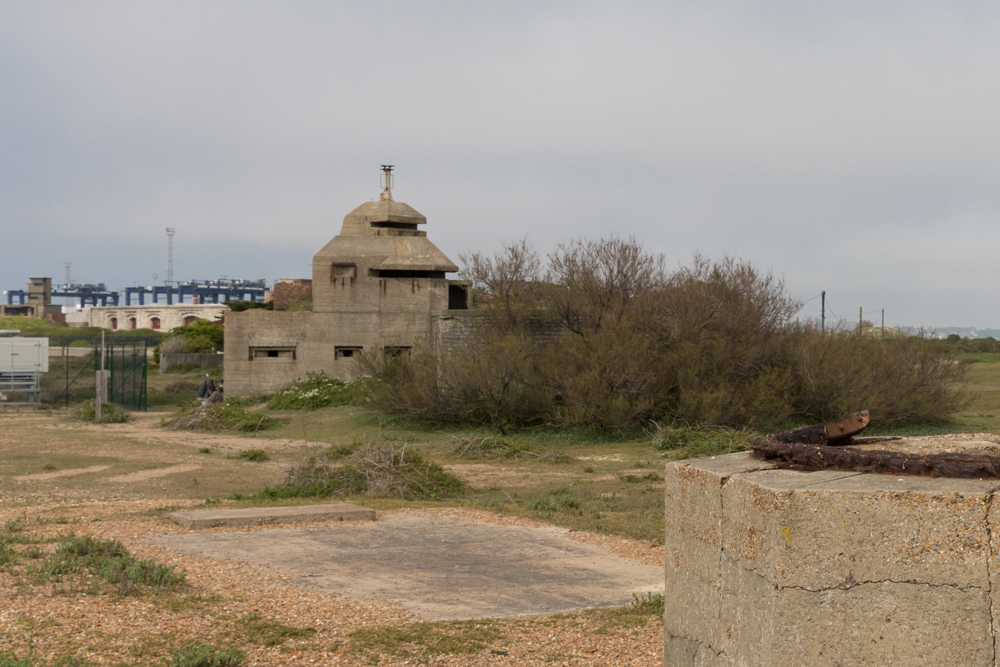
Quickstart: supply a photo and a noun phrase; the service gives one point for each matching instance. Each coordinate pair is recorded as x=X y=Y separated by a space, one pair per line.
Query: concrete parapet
x=776 y=567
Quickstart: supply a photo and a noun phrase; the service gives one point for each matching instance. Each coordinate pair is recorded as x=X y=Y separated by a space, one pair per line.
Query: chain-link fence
x=72 y=367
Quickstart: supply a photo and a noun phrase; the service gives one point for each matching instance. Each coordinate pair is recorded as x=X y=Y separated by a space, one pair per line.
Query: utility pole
x=883 y=323
x=861 y=318
x=822 y=316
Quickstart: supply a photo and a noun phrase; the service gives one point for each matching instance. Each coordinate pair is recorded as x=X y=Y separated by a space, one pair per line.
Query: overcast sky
x=851 y=147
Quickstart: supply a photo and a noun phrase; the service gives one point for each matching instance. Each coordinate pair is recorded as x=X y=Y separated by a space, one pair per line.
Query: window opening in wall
x=458 y=297
x=154 y=322
x=395 y=273
x=346 y=351
x=114 y=322
x=343 y=270
x=286 y=353
x=189 y=319
x=397 y=350
x=132 y=323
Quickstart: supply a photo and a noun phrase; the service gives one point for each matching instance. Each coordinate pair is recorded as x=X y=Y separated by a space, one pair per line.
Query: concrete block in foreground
x=255 y=516
x=777 y=567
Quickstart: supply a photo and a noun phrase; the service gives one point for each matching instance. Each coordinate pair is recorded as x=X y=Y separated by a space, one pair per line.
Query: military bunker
x=380 y=284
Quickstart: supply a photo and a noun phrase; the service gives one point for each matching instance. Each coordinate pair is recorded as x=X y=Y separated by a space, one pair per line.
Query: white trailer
x=22 y=363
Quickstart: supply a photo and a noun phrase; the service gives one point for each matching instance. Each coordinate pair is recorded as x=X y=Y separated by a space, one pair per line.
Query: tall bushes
x=626 y=342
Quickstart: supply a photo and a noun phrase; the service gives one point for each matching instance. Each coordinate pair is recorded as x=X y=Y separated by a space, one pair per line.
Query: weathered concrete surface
x=776 y=567
x=256 y=516
x=440 y=567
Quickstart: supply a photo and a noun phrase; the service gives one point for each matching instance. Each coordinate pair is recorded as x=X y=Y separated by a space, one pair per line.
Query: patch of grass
x=420 y=641
x=15 y=525
x=205 y=656
x=557 y=503
x=632 y=479
x=110 y=413
x=265 y=632
x=681 y=442
x=255 y=455
x=500 y=447
x=319 y=391
x=648 y=603
x=223 y=417
x=10 y=659
x=978 y=358
x=183 y=369
x=378 y=470
x=87 y=556
x=643 y=609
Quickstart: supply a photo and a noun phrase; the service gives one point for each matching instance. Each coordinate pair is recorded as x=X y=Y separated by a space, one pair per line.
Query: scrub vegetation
x=601 y=335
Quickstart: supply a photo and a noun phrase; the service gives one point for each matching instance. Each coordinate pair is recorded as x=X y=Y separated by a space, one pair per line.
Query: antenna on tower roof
x=386 y=182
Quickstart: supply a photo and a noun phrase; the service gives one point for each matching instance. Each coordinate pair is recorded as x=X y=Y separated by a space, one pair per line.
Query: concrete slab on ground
x=256 y=516
x=439 y=567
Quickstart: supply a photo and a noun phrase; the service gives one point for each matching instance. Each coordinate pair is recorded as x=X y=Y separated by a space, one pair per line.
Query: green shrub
x=240 y=306
x=205 y=656
x=318 y=391
x=378 y=470
x=200 y=336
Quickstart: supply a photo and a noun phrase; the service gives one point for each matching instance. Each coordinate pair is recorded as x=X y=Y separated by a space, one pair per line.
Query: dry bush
x=221 y=417
x=710 y=344
x=499 y=447
x=507 y=282
x=899 y=380
x=375 y=469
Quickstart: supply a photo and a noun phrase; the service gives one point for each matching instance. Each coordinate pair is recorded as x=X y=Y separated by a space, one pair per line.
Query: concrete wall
x=776 y=567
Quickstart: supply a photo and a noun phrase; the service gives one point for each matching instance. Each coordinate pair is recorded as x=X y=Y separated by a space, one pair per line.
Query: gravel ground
x=45 y=623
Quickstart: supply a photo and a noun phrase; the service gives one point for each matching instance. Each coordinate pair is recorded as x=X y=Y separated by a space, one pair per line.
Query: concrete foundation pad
x=256 y=516
x=439 y=567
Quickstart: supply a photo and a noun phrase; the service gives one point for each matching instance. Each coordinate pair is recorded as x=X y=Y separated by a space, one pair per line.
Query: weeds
x=648 y=603
x=9 y=659
x=318 y=391
x=422 y=640
x=378 y=470
x=685 y=442
x=110 y=413
x=265 y=632
x=87 y=556
x=255 y=455
x=222 y=417
x=205 y=656
x=500 y=447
